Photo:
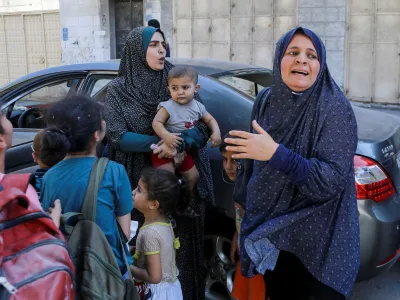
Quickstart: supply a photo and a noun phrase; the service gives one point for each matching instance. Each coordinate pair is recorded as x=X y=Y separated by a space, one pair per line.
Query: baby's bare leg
x=191 y=177
x=168 y=166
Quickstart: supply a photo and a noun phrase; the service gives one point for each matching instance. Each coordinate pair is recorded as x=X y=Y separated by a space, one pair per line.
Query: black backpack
x=97 y=272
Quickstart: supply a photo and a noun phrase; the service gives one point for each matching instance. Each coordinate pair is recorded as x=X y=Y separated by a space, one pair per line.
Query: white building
x=361 y=36
x=29 y=37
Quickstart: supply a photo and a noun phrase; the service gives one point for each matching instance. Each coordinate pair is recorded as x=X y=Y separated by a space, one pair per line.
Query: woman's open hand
x=257 y=146
x=164 y=151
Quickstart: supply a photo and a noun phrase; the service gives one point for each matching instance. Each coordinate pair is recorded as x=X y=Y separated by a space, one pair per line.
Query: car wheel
x=220 y=270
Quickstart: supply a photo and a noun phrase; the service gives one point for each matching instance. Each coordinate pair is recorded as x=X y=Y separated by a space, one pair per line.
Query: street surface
x=384 y=287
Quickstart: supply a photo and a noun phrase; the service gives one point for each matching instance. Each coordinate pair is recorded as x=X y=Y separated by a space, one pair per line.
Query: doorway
x=128 y=15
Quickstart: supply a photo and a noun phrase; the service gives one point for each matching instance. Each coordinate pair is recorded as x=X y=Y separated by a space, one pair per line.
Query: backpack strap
x=124 y=255
x=70 y=219
x=90 y=201
x=14 y=186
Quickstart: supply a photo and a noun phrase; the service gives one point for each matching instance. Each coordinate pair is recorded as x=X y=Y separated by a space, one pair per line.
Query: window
x=250 y=82
x=246 y=86
x=96 y=86
x=47 y=94
x=29 y=110
x=100 y=88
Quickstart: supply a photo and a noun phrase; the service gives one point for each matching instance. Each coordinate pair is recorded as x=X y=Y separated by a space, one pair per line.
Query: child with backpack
x=75 y=126
x=159 y=195
x=28 y=234
x=45 y=160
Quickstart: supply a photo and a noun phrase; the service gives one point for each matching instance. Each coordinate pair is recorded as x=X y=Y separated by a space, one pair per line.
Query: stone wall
x=327 y=18
x=12 y=6
x=162 y=11
x=85 y=30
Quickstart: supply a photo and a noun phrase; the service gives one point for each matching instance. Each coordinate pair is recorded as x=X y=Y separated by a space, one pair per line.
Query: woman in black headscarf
x=131 y=104
x=301 y=227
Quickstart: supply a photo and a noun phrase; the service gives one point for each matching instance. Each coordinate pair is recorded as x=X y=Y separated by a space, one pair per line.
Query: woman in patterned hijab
x=131 y=104
x=300 y=227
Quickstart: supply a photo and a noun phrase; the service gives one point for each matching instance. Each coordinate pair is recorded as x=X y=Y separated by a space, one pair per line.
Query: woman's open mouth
x=299 y=72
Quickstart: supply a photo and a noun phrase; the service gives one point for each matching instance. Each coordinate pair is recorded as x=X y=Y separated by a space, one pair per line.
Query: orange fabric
x=248 y=288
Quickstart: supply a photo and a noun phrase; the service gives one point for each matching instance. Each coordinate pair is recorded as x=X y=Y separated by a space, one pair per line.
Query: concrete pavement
x=384 y=287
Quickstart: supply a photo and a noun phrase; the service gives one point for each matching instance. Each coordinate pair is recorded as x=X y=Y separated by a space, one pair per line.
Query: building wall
x=373 y=51
x=327 y=18
x=167 y=22
x=162 y=11
x=247 y=30
x=85 y=26
x=12 y=6
x=29 y=37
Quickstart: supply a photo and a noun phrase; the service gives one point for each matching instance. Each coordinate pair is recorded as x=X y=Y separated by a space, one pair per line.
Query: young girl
x=159 y=195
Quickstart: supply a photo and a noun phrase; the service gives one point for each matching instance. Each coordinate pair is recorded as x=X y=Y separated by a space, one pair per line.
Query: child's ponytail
x=173 y=194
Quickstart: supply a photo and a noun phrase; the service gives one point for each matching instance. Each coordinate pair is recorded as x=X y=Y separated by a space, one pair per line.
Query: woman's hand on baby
x=178 y=159
x=257 y=146
x=165 y=151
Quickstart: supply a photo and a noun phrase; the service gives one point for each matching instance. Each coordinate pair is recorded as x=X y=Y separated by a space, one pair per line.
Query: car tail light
x=390 y=258
x=372 y=182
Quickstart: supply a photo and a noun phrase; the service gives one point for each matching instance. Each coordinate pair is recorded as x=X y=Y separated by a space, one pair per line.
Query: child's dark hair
x=154 y=23
x=173 y=194
x=182 y=71
x=71 y=123
x=51 y=158
x=222 y=147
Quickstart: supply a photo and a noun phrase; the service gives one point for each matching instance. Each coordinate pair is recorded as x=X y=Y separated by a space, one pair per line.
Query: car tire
x=219 y=269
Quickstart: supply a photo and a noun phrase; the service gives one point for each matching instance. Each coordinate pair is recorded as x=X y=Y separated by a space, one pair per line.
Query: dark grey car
x=228 y=91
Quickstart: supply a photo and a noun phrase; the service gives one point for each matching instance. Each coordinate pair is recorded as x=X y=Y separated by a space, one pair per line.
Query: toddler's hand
x=215 y=140
x=173 y=139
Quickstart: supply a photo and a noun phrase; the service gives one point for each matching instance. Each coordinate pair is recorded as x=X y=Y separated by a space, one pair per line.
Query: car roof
x=203 y=66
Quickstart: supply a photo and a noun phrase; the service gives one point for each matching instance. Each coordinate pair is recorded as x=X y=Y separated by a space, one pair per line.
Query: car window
x=29 y=110
x=99 y=86
x=250 y=82
x=246 y=86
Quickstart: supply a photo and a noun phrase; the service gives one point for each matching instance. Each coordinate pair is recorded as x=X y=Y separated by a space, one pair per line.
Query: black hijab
x=131 y=105
x=316 y=218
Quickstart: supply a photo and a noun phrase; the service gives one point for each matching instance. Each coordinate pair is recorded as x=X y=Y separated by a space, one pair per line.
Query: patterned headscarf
x=131 y=105
x=315 y=219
